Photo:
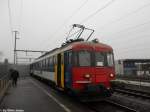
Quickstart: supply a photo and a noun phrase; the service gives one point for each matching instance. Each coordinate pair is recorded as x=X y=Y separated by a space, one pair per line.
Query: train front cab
x=85 y=72
x=92 y=71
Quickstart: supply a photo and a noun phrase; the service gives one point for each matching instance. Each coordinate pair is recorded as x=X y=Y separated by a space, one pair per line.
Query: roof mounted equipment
x=80 y=31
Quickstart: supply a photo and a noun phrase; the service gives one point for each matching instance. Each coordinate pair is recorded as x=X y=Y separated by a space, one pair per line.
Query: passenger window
x=55 y=60
x=62 y=58
x=70 y=58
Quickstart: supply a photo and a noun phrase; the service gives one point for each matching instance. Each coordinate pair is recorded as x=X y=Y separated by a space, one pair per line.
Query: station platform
x=29 y=96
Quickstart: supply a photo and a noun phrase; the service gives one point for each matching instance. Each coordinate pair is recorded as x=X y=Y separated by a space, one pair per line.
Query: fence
x=4 y=84
x=4 y=78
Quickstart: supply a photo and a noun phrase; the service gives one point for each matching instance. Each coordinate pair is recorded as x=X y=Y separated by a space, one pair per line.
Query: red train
x=80 y=67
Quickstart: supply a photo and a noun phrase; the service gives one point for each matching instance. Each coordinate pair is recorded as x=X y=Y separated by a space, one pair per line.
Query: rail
x=127 y=109
x=132 y=92
x=108 y=105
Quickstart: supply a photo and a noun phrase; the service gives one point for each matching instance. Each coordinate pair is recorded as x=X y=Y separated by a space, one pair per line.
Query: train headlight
x=87 y=75
x=111 y=75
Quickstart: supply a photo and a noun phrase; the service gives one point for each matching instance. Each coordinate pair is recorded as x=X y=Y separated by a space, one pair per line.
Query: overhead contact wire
x=97 y=11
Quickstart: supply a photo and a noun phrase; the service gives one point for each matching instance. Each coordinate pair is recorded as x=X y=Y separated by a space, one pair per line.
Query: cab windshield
x=88 y=58
x=104 y=59
x=84 y=58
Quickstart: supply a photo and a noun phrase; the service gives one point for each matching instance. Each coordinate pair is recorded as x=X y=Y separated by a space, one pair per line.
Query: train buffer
x=29 y=96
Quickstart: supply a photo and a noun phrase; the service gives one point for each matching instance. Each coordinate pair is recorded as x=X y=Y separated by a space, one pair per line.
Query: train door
x=59 y=70
x=68 y=68
x=62 y=70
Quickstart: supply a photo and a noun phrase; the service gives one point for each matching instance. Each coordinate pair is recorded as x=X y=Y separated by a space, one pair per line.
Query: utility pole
x=15 y=53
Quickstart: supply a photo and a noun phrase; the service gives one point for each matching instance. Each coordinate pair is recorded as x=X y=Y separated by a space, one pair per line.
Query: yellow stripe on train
x=55 y=74
x=62 y=76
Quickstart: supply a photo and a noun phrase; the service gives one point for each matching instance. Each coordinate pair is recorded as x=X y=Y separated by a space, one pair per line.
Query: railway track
x=132 y=92
x=121 y=106
x=109 y=106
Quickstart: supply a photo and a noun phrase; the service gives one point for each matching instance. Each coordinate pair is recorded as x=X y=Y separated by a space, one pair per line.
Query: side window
x=75 y=59
x=62 y=58
x=43 y=65
x=110 y=59
x=47 y=64
x=119 y=62
x=37 y=65
x=49 y=61
x=55 y=59
x=34 y=66
x=69 y=57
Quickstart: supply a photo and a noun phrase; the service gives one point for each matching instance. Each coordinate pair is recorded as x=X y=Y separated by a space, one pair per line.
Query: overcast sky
x=43 y=24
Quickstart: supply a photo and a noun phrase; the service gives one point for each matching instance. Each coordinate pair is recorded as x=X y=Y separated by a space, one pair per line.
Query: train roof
x=78 y=45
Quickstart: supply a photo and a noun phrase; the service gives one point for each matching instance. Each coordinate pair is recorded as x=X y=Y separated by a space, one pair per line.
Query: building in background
x=132 y=67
